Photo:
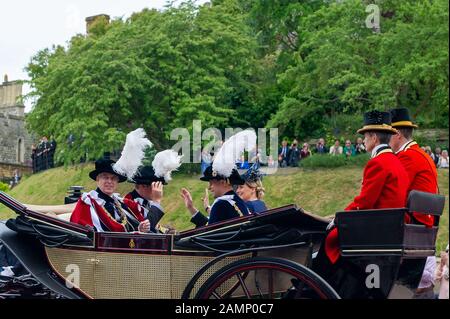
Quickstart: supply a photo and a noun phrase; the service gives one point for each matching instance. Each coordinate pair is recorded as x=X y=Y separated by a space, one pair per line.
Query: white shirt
x=376 y=148
x=402 y=148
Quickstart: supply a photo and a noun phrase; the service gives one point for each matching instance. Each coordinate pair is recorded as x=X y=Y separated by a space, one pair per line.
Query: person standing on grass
x=336 y=149
x=360 y=148
x=443 y=160
x=349 y=149
x=283 y=154
x=320 y=147
x=436 y=154
x=305 y=151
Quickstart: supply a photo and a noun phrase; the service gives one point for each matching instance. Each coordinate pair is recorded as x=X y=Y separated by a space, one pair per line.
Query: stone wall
x=7 y=171
x=10 y=98
x=15 y=141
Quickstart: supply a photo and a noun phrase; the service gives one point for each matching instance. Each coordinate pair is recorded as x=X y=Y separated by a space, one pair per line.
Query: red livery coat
x=385 y=184
x=90 y=212
x=422 y=174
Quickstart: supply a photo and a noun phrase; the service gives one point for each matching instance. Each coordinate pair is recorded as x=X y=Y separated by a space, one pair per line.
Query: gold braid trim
x=238 y=210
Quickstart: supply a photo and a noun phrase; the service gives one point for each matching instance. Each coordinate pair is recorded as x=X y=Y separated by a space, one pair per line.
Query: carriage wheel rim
x=284 y=268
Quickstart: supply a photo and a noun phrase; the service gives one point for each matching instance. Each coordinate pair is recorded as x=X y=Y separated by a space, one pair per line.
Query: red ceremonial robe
x=89 y=211
x=422 y=175
x=385 y=184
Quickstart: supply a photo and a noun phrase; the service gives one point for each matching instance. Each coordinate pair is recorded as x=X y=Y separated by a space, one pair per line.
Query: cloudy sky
x=27 y=26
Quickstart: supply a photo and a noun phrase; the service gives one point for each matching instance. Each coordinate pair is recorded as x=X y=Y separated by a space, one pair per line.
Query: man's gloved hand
x=331 y=224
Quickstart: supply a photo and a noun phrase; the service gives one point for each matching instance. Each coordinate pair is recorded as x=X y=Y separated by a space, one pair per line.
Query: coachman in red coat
x=418 y=164
x=103 y=209
x=385 y=181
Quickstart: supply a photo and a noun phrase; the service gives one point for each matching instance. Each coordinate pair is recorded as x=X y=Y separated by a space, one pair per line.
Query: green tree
x=342 y=67
x=157 y=70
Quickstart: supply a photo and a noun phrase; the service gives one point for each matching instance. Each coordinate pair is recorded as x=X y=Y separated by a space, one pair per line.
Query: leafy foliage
x=310 y=68
x=341 y=66
x=157 y=70
x=4 y=187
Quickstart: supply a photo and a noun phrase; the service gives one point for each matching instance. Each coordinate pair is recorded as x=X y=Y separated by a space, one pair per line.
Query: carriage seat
x=384 y=231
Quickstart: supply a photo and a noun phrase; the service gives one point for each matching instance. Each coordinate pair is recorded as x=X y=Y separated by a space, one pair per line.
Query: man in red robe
x=103 y=209
x=418 y=164
x=385 y=184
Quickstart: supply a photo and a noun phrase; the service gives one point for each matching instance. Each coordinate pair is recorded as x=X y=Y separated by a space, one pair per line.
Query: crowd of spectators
x=292 y=155
x=440 y=157
x=43 y=155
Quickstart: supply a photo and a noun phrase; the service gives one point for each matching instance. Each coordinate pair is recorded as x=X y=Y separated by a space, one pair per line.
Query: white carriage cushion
x=65 y=217
x=52 y=209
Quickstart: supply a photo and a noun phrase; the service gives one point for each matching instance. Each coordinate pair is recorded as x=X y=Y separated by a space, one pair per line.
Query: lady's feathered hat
x=224 y=164
x=253 y=174
x=130 y=163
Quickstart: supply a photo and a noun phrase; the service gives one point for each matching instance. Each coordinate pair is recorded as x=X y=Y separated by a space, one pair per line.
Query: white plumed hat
x=132 y=154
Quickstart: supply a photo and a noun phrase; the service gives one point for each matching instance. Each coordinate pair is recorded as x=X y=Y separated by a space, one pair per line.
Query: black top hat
x=105 y=166
x=401 y=118
x=146 y=176
x=377 y=121
x=233 y=179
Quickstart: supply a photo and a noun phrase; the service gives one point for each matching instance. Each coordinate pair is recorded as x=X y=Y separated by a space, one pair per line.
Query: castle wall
x=15 y=141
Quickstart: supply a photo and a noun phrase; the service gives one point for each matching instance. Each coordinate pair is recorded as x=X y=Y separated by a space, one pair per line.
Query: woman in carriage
x=252 y=191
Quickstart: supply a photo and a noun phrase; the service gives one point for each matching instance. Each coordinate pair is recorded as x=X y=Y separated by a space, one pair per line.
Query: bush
x=330 y=161
x=424 y=141
x=4 y=187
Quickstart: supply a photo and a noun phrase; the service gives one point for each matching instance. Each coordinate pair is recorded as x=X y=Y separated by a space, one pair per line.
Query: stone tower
x=91 y=20
x=15 y=142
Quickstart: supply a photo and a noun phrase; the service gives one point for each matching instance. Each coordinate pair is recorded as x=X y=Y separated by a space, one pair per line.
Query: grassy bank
x=322 y=191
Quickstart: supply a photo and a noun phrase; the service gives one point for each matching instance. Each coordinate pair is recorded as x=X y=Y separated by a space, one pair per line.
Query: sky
x=27 y=26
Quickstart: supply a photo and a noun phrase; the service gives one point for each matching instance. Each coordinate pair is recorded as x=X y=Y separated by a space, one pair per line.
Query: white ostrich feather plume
x=165 y=162
x=132 y=153
x=231 y=151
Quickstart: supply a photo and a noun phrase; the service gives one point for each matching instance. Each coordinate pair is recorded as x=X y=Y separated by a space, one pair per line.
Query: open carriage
x=259 y=256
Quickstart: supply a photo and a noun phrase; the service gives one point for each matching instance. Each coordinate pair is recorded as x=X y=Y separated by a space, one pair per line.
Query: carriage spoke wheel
x=265 y=278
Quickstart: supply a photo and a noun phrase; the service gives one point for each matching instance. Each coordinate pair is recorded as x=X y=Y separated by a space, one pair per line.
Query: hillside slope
x=322 y=191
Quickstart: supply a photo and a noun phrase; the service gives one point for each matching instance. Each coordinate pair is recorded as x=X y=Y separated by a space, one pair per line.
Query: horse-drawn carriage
x=259 y=256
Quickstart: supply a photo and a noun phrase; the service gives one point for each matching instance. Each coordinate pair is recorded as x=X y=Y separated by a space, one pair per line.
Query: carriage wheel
x=266 y=278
